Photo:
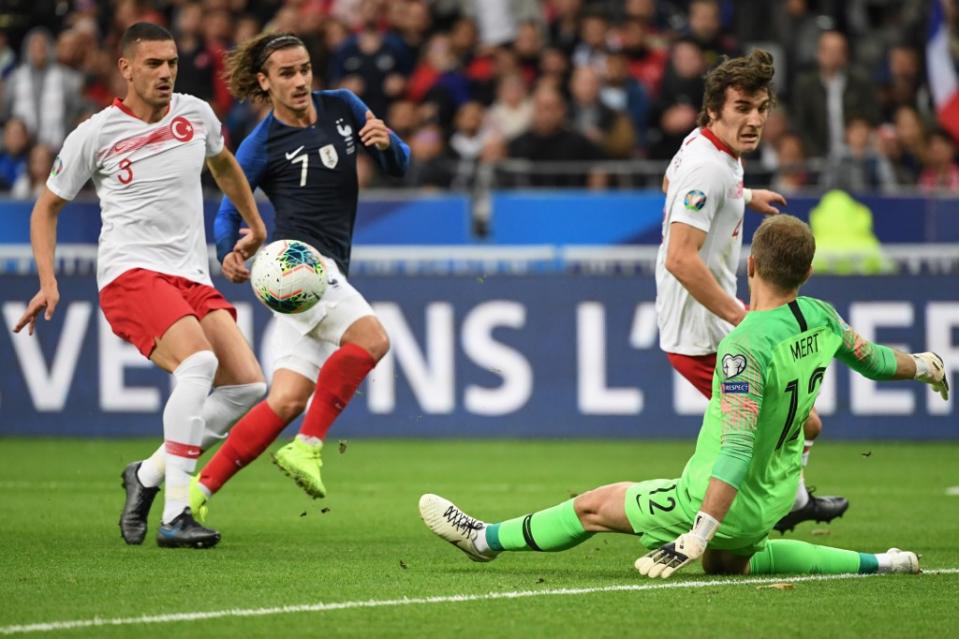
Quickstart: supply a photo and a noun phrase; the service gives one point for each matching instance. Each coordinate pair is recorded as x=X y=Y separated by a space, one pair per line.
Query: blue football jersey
x=309 y=175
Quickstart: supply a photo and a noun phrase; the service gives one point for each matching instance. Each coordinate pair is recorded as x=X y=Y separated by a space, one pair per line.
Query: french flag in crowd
x=943 y=80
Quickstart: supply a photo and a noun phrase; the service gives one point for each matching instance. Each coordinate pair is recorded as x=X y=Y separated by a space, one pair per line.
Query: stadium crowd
x=472 y=83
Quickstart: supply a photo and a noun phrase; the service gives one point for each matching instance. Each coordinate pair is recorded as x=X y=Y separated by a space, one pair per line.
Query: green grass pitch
x=63 y=559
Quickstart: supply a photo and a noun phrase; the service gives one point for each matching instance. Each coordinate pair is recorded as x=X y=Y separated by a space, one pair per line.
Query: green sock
x=786 y=556
x=553 y=529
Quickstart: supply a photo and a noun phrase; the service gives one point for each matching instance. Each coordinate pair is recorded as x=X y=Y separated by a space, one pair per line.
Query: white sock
x=885 y=561
x=221 y=409
x=480 y=541
x=802 y=495
x=309 y=439
x=805 y=452
x=183 y=427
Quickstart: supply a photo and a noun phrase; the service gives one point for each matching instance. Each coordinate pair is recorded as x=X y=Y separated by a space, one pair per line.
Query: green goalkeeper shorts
x=656 y=515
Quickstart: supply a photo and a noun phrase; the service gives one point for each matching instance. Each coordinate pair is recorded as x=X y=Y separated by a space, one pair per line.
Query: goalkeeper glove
x=931 y=370
x=687 y=548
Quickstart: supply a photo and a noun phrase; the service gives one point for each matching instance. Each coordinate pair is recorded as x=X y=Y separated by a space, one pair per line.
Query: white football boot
x=455 y=526
x=903 y=561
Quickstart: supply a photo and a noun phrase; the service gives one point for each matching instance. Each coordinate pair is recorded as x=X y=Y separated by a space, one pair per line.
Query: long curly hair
x=245 y=61
x=750 y=74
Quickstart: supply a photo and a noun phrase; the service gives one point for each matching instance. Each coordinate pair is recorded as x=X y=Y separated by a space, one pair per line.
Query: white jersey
x=147 y=177
x=706 y=192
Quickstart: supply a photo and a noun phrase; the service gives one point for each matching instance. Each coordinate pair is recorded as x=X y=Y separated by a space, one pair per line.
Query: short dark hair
x=750 y=74
x=142 y=32
x=783 y=247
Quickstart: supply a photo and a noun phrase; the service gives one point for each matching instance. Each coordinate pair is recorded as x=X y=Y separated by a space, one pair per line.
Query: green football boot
x=301 y=462
x=198 y=500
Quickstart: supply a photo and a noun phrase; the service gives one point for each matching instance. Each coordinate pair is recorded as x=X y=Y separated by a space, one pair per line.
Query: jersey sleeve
x=741 y=370
x=699 y=195
x=76 y=162
x=395 y=160
x=869 y=359
x=252 y=157
x=214 y=129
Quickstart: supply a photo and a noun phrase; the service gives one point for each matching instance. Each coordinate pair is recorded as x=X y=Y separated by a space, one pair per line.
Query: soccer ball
x=288 y=276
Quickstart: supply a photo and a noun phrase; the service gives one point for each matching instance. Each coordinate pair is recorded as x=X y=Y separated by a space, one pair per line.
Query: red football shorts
x=698 y=369
x=141 y=305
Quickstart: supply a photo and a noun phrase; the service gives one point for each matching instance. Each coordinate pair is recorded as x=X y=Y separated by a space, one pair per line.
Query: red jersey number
x=126 y=173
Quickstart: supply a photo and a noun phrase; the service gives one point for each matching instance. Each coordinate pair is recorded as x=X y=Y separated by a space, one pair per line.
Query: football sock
x=807 y=444
x=339 y=378
x=247 y=440
x=802 y=494
x=788 y=556
x=553 y=529
x=221 y=409
x=183 y=427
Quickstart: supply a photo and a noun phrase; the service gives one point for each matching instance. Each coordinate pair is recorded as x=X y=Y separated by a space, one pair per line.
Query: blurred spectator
x=680 y=99
x=512 y=111
x=497 y=20
x=845 y=242
x=564 y=24
x=403 y=118
x=218 y=38
x=906 y=147
x=430 y=165
x=591 y=50
x=706 y=29
x=777 y=126
x=528 y=47
x=469 y=139
x=859 y=167
x=412 y=21
x=13 y=157
x=796 y=28
x=941 y=173
x=791 y=174
x=903 y=82
x=31 y=183
x=371 y=64
x=248 y=27
x=647 y=63
x=196 y=63
x=625 y=94
x=549 y=140
x=604 y=127
x=825 y=98
x=554 y=69
x=43 y=93
x=439 y=81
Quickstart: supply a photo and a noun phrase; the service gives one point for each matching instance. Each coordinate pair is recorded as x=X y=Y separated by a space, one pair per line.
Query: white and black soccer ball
x=288 y=276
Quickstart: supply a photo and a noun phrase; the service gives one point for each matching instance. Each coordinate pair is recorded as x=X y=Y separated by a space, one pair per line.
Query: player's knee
x=287 y=406
x=201 y=364
x=813 y=426
x=591 y=507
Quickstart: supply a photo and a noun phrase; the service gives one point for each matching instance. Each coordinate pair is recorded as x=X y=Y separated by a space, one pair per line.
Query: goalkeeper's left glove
x=687 y=548
x=931 y=370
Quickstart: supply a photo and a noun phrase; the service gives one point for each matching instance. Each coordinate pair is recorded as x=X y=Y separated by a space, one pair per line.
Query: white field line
x=412 y=601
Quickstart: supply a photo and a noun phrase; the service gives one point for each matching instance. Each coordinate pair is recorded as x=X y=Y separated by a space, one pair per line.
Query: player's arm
x=741 y=397
x=232 y=181
x=686 y=265
x=43 y=240
x=389 y=151
x=879 y=362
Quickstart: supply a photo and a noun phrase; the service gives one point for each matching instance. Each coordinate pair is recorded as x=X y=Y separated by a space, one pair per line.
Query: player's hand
x=46 y=298
x=930 y=369
x=375 y=132
x=249 y=243
x=663 y=562
x=234 y=268
x=763 y=201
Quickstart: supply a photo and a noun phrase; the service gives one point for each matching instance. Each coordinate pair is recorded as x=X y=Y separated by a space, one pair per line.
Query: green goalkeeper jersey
x=769 y=370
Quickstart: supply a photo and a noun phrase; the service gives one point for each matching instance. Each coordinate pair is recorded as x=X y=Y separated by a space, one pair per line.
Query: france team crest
x=694 y=200
x=329 y=156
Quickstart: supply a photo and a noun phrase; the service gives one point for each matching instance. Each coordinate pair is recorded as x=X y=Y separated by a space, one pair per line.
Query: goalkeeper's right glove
x=931 y=370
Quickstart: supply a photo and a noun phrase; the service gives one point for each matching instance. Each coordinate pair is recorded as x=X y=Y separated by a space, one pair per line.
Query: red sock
x=339 y=378
x=248 y=438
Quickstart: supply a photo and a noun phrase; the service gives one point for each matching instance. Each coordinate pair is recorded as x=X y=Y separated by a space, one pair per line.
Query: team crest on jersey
x=694 y=200
x=181 y=129
x=346 y=131
x=733 y=365
x=329 y=157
